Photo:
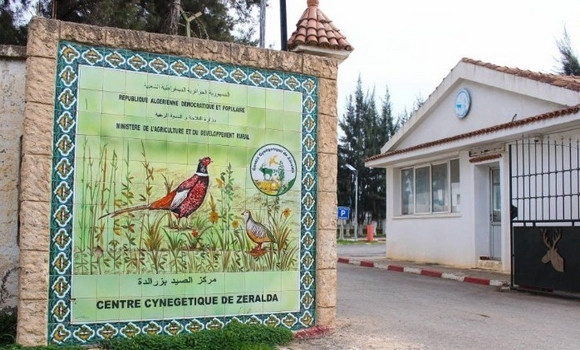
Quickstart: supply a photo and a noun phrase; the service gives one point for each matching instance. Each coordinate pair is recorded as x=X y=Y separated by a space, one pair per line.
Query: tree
x=390 y=125
x=11 y=31
x=568 y=60
x=404 y=116
x=219 y=20
x=365 y=131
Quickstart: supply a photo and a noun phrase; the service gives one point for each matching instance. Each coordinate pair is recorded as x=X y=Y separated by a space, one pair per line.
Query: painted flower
x=214 y=217
x=235 y=224
x=98 y=252
x=194 y=233
x=286 y=212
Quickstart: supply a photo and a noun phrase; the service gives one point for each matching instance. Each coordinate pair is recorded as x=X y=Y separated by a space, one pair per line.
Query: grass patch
x=359 y=242
x=234 y=336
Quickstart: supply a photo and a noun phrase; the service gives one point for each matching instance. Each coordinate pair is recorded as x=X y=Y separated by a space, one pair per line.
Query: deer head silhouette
x=552 y=254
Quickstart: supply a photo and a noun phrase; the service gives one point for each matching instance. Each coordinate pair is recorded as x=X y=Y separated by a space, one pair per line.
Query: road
x=379 y=309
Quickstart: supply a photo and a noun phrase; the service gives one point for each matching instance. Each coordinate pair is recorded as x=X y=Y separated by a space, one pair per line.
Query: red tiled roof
x=315 y=29
x=565 y=81
x=489 y=130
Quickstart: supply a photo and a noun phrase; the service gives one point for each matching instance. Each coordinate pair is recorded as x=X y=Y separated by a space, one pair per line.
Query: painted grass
x=212 y=239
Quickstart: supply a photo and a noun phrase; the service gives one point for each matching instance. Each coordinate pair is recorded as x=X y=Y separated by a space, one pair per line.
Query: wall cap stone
x=15 y=52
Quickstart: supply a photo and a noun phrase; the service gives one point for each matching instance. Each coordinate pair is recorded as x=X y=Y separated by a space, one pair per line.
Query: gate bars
x=545 y=181
x=545 y=199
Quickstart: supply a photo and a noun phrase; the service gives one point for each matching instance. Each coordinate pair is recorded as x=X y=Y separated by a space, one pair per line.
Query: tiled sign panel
x=183 y=196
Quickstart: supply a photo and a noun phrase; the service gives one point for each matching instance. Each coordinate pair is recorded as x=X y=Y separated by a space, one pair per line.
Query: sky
x=409 y=46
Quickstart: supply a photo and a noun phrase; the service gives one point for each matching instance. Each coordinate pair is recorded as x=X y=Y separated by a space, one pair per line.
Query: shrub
x=234 y=336
x=7 y=325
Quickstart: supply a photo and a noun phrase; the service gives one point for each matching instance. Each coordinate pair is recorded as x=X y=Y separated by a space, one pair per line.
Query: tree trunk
x=173 y=18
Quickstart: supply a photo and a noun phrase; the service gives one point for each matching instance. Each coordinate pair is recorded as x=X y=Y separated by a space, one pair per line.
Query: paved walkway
x=371 y=255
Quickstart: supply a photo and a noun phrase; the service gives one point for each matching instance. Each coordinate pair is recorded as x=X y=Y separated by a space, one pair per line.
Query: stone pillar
x=35 y=182
x=326 y=259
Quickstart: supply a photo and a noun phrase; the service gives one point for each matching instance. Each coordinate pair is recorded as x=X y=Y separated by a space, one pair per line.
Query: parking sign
x=343 y=213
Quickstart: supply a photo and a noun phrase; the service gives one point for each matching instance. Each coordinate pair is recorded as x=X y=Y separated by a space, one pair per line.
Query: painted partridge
x=257 y=232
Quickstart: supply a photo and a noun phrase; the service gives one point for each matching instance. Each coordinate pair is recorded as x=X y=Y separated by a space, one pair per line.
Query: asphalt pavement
x=384 y=310
x=374 y=255
x=408 y=305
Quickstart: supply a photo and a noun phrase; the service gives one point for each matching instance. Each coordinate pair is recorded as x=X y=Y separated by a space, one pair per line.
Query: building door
x=495 y=215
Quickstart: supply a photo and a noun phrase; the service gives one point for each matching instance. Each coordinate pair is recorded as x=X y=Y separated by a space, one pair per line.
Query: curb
x=425 y=272
x=313 y=332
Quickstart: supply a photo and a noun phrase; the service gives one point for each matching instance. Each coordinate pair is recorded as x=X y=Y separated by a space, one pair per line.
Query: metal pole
x=513 y=258
x=355 y=172
x=356 y=205
x=263 y=23
x=283 y=26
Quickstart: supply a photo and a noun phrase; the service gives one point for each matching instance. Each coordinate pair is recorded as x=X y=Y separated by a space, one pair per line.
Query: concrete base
x=493 y=265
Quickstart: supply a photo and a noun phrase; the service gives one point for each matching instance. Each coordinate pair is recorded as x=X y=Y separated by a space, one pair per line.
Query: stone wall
x=12 y=78
x=35 y=195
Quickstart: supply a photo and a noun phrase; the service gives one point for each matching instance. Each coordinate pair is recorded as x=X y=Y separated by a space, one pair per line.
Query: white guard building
x=451 y=180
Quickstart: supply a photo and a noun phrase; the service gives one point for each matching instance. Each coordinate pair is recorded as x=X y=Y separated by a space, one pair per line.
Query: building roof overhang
x=559 y=120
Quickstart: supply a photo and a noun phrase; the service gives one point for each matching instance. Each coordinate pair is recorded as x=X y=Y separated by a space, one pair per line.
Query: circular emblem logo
x=273 y=170
x=462 y=103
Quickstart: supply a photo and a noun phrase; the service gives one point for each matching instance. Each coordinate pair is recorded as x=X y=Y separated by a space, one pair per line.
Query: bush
x=8 y=317
x=234 y=336
x=49 y=347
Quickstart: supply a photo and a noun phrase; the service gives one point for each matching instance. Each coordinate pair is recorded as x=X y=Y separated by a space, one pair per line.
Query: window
x=422 y=187
x=455 y=196
x=440 y=188
x=407 y=199
x=433 y=188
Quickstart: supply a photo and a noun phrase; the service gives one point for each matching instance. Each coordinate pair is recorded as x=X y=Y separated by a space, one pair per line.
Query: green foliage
x=362 y=242
x=8 y=314
x=222 y=20
x=49 y=347
x=234 y=336
x=8 y=317
x=11 y=32
x=570 y=65
x=365 y=130
x=212 y=240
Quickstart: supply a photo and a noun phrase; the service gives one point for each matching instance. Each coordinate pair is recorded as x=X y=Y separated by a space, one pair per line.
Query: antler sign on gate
x=552 y=254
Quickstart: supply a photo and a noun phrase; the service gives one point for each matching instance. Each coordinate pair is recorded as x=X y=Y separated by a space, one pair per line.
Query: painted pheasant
x=257 y=232
x=183 y=200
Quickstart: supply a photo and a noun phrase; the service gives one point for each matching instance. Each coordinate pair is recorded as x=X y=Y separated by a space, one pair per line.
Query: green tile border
x=73 y=55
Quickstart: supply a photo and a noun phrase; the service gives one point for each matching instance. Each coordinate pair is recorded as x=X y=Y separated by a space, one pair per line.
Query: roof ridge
x=488 y=130
x=569 y=82
x=314 y=28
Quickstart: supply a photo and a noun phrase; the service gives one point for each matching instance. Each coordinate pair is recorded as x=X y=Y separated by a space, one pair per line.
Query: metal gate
x=545 y=235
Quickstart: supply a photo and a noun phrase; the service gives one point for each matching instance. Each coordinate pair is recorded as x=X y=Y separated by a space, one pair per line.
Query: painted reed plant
x=211 y=240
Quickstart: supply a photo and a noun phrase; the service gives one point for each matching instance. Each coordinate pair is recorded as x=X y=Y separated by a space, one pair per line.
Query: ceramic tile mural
x=183 y=195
